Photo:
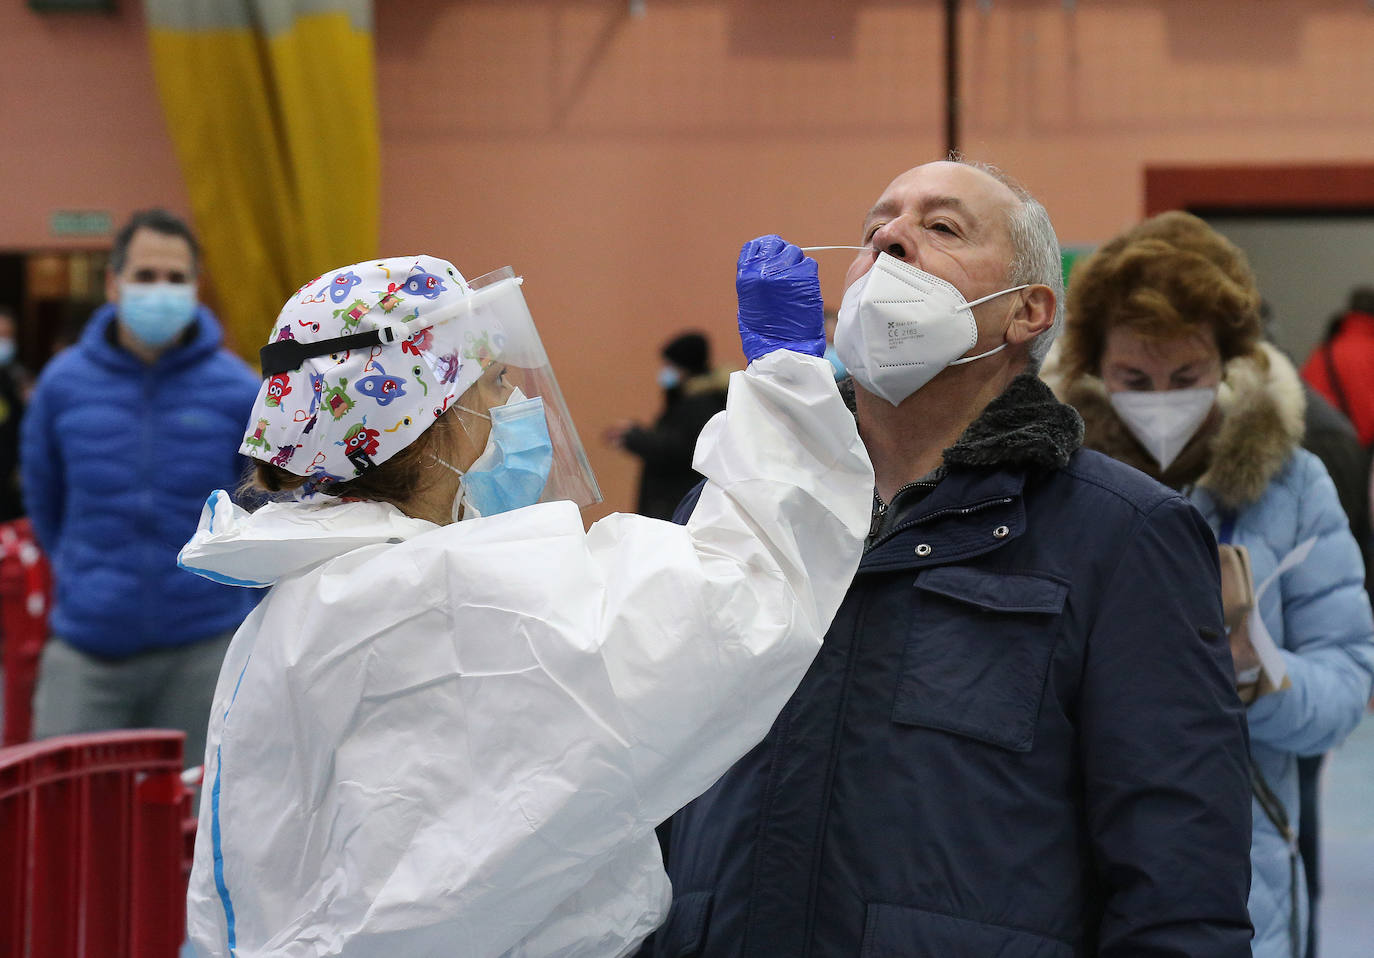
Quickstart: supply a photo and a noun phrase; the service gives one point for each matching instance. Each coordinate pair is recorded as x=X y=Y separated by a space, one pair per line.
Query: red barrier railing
x=92 y=846
x=25 y=594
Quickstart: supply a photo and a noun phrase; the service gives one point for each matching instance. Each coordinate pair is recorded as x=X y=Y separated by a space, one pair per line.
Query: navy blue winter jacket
x=117 y=458
x=1020 y=738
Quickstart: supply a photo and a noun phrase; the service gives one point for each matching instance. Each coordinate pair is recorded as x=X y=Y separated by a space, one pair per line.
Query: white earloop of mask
x=899 y=326
x=976 y=302
x=461 y=505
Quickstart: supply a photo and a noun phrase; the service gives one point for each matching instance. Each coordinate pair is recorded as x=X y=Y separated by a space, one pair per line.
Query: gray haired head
x=1035 y=255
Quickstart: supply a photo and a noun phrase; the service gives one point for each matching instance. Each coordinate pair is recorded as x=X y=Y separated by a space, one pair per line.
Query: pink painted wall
x=618 y=162
x=1078 y=104
x=80 y=121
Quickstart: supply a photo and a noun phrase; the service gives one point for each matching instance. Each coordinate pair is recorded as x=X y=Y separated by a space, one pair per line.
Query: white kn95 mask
x=1164 y=421
x=899 y=326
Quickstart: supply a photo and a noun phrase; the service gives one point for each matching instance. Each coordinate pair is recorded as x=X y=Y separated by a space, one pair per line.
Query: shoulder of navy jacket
x=953 y=533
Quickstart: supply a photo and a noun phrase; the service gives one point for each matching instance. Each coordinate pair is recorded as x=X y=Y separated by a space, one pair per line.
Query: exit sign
x=80 y=223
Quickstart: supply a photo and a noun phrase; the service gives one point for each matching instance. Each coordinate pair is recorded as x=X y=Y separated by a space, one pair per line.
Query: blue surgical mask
x=156 y=313
x=835 y=363
x=514 y=466
x=6 y=352
x=669 y=378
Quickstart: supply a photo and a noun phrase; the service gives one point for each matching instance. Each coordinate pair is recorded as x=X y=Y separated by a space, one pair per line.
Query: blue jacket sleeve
x=1165 y=774
x=41 y=469
x=242 y=466
x=1328 y=636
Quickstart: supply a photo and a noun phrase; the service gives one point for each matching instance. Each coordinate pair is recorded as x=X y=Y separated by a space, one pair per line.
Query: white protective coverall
x=457 y=740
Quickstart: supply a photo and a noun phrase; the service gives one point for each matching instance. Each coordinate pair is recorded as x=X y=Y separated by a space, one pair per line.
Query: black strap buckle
x=287 y=355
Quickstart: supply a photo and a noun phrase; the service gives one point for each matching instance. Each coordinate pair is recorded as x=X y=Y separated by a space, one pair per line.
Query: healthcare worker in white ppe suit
x=452 y=723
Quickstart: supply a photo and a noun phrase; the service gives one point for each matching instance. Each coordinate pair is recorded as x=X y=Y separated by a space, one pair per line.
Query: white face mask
x=900 y=326
x=1163 y=422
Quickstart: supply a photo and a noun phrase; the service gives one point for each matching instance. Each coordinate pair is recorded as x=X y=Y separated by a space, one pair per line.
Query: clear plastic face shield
x=365 y=358
x=508 y=340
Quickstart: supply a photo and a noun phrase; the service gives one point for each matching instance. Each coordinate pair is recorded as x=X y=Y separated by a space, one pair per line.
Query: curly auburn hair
x=395 y=481
x=1170 y=276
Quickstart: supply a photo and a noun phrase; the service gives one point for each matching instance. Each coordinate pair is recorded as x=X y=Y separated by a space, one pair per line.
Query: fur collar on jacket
x=1024 y=427
x=1257 y=425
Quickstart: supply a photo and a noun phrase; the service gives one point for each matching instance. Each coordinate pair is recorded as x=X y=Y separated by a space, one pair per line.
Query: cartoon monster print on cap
x=342 y=284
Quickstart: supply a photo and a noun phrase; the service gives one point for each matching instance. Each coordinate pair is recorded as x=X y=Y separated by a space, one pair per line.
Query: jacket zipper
x=828 y=785
x=963 y=511
x=880 y=508
x=147 y=444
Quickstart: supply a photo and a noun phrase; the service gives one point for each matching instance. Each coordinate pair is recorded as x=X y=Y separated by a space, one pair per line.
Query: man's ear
x=1033 y=317
x=111 y=286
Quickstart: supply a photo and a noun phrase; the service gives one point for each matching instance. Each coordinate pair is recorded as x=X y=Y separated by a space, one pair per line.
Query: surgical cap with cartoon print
x=361 y=360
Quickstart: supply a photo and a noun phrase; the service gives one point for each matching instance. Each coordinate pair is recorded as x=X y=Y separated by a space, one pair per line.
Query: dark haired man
x=125 y=435
x=14 y=384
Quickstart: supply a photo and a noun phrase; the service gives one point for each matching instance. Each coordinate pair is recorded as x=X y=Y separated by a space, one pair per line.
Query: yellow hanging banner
x=272 y=108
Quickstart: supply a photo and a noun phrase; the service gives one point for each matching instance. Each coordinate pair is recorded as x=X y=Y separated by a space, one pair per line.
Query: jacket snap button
x=1001 y=532
x=923 y=550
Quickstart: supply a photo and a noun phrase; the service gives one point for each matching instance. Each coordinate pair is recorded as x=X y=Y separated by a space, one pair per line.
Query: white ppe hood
x=457 y=740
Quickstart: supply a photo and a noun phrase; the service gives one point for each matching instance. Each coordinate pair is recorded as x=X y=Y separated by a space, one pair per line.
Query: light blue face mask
x=156 y=313
x=835 y=363
x=669 y=378
x=514 y=466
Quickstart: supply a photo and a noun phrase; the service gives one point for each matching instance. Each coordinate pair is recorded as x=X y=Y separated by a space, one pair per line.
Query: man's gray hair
x=1035 y=256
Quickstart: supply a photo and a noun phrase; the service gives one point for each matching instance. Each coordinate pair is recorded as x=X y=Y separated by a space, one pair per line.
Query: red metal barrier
x=25 y=595
x=91 y=846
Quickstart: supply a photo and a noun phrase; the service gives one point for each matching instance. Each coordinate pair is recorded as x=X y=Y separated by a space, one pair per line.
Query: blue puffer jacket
x=1276 y=496
x=117 y=458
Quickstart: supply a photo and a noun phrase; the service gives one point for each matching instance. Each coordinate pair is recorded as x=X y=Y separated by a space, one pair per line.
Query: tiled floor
x=1345 y=923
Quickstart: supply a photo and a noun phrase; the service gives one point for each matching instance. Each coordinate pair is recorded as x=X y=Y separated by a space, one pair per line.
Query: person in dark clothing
x=1021 y=736
x=13 y=386
x=693 y=393
x=1330 y=436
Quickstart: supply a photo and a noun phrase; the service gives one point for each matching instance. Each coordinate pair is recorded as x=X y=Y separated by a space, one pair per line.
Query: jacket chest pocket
x=978 y=653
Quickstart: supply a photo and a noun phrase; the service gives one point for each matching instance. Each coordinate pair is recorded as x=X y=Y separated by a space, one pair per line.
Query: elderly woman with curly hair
x=1162 y=357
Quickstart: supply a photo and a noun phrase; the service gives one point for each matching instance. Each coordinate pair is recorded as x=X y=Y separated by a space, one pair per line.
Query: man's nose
x=897 y=240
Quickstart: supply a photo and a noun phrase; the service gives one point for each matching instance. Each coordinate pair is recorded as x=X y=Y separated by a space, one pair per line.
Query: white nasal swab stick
x=817 y=249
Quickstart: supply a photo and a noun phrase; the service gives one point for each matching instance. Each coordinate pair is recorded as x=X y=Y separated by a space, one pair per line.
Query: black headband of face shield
x=288 y=355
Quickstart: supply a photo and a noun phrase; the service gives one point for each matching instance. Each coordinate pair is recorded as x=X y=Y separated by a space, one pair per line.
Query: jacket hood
x=256 y=549
x=1256 y=426
x=205 y=336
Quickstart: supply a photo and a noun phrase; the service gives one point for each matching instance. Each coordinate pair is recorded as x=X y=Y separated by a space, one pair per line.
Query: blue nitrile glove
x=779 y=299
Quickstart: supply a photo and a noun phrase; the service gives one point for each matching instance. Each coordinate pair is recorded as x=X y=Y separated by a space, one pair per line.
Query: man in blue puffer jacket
x=126 y=434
